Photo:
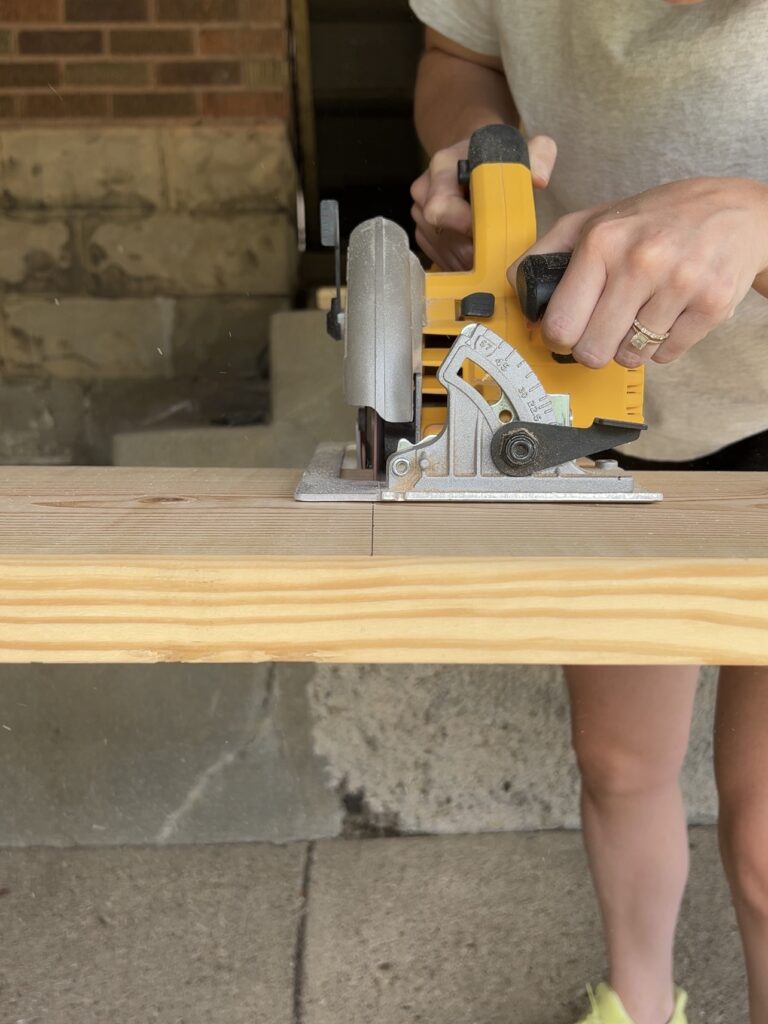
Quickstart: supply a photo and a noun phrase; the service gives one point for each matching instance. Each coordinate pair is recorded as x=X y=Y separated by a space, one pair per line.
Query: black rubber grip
x=537 y=278
x=497 y=144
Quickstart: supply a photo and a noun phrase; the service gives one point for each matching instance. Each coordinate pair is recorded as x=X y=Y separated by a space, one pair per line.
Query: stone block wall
x=147 y=217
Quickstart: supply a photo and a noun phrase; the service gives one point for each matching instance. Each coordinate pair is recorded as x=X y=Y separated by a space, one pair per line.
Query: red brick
x=263 y=10
x=199 y=72
x=14 y=74
x=246 y=104
x=64 y=105
x=29 y=10
x=60 y=42
x=106 y=10
x=197 y=10
x=262 y=42
x=154 y=40
x=98 y=72
x=155 y=104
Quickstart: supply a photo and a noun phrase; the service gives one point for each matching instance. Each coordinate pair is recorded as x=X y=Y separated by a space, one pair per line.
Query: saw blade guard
x=384 y=321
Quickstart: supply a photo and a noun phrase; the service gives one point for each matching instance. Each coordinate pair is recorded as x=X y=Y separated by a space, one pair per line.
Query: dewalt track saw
x=458 y=397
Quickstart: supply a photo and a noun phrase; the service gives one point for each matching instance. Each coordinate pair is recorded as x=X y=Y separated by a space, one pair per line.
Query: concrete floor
x=491 y=929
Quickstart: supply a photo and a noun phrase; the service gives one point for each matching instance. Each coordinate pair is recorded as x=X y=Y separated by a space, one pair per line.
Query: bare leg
x=741 y=765
x=630 y=732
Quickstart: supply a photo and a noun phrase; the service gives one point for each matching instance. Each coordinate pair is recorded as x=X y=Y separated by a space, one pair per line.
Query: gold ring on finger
x=644 y=336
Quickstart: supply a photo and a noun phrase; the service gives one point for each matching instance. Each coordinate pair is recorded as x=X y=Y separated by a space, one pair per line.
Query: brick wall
x=147 y=217
x=142 y=59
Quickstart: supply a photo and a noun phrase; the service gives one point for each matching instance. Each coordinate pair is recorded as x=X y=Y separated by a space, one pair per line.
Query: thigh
x=741 y=736
x=631 y=720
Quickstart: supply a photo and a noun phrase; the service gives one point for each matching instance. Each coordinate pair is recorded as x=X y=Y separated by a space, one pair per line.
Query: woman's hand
x=678 y=258
x=440 y=208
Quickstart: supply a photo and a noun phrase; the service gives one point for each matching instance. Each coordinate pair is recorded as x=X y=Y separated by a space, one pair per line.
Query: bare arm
x=457 y=91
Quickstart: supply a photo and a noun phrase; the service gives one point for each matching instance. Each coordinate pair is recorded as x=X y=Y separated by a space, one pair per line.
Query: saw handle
x=537 y=278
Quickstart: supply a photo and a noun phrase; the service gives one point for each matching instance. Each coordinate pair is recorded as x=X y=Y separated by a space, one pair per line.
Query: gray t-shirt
x=637 y=93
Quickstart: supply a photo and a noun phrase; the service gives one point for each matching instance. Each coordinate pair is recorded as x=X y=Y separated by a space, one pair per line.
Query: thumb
x=542 y=152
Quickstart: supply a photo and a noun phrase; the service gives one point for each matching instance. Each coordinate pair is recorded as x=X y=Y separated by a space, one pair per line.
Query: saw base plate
x=323 y=481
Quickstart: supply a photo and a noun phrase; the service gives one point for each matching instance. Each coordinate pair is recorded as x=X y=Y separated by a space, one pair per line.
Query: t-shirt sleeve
x=469 y=23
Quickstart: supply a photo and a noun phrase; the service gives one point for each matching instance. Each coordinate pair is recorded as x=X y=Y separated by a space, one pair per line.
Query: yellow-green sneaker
x=607 y=1008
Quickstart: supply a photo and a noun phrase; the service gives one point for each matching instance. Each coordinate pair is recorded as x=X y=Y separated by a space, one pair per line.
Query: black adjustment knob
x=537 y=278
x=477 y=306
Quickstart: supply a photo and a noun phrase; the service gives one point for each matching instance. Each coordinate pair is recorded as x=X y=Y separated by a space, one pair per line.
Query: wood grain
x=703 y=515
x=116 y=565
x=184 y=512
x=384 y=610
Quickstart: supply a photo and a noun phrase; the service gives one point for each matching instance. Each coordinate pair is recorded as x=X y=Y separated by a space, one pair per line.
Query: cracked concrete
x=257 y=722
x=106 y=755
x=184 y=754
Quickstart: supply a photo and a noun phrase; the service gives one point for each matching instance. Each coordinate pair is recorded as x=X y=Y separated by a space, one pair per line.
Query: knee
x=616 y=771
x=743 y=835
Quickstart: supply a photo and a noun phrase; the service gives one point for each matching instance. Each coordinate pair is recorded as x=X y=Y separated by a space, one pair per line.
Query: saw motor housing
x=458 y=395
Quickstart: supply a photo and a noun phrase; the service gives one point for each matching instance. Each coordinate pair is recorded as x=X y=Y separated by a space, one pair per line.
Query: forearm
x=456 y=96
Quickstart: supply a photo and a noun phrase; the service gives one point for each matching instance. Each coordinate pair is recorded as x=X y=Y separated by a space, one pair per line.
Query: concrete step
x=307 y=407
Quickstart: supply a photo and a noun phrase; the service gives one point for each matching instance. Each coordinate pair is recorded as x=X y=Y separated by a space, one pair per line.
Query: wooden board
x=173 y=512
x=116 y=565
x=703 y=515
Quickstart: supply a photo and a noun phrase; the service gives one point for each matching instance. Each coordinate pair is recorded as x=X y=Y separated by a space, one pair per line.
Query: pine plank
x=182 y=512
x=400 y=610
x=703 y=515
x=115 y=565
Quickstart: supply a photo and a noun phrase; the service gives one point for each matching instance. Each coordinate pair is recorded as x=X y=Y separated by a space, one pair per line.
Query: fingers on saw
x=420 y=189
x=562 y=237
x=447 y=212
x=572 y=305
x=659 y=314
x=445 y=205
x=689 y=329
x=448 y=250
x=607 y=331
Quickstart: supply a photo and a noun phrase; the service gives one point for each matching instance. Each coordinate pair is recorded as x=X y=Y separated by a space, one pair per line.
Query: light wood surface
x=117 y=565
x=172 y=512
x=703 y=515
